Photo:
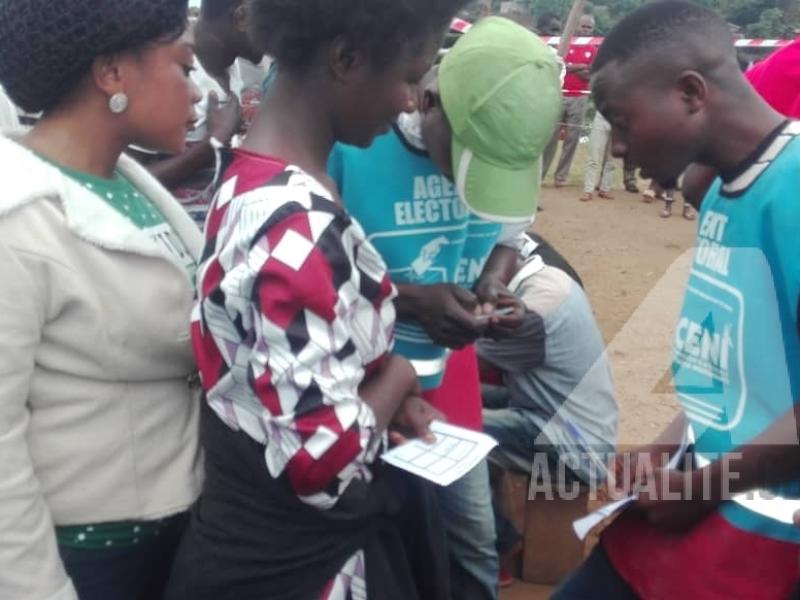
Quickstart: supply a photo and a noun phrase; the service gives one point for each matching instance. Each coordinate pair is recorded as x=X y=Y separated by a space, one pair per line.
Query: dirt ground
x=634 y=265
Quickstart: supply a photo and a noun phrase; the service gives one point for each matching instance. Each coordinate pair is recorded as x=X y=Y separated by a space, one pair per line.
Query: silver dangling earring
x=118 y=103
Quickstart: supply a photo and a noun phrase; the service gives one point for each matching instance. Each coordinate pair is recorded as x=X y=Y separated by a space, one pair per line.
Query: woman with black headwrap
x=98 y=427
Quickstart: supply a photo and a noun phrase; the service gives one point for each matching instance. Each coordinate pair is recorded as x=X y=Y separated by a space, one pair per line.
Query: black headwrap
x=46 y=47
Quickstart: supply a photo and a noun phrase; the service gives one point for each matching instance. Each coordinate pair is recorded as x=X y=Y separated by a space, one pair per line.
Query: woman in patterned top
x=294 y=325
x=98 y=421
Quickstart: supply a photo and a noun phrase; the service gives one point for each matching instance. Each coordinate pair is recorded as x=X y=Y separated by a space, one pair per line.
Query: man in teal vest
x=443 y=197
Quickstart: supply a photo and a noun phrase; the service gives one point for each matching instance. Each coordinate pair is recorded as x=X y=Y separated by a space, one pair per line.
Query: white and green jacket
x=97 y=418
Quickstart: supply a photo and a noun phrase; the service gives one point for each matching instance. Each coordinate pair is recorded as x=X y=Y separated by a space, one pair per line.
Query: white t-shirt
x=243 y=75
x=9 y=114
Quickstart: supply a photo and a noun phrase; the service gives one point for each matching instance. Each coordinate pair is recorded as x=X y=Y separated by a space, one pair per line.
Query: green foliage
x=771 y=24
x=559 y=7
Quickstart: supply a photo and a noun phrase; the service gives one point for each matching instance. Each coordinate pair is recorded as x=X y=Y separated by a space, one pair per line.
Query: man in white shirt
x=221 y=46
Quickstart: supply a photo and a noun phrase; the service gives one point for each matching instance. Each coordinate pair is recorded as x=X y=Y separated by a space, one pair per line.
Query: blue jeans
x=137 y=572
x=516 y=435
x=520 y=438
x=597 y=579
x=469 y=521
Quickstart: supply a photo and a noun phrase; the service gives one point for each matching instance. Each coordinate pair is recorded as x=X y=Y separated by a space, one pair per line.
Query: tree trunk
x=569 y=29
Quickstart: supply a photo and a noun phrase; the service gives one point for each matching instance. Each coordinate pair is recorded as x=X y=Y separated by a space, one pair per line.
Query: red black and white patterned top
x=294 y=309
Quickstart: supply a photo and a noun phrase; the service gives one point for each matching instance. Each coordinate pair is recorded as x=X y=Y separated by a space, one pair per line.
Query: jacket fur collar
x=27 y=178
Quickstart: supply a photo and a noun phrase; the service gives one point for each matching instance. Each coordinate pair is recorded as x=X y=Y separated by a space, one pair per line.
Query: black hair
x=292 y=31
x=672 y=28
x=47 y=47
x=546 y=18
x=213 y=9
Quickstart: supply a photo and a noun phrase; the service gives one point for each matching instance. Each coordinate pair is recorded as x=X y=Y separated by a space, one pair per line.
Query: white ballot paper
x=456 y=451
x=584 y=525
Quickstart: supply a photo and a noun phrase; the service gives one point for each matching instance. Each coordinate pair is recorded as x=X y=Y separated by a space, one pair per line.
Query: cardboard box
x=551 y=548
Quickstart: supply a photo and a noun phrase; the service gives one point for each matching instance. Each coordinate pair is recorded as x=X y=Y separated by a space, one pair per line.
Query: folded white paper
x=584 y=525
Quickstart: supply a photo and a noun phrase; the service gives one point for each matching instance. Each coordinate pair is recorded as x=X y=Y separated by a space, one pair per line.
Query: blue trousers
x=466 y=506
x=137 y=572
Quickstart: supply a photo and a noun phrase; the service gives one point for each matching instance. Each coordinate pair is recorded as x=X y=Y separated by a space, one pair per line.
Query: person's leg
x=549 y=152
x=515 y=435
x=607 y=179
x=161 y=557
x=468 y=517
x=103 y=574
x=138 y=572
x=597 y=579
x=598 y=142
x=516 y=438
x=576 y=112
x=667 y=196
x=629 y=177
x=507 y=535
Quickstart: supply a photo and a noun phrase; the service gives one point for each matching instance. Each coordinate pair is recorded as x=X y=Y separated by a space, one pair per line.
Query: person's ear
x=240 y=17
x=429 y=100
x=107 y=74
x=693 y=90
x=344 y=59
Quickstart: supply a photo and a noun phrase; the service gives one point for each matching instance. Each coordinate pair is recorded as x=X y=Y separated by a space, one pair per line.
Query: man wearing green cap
x=443 y=197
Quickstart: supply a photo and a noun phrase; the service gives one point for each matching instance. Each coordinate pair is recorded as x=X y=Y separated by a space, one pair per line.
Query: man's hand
x=629 y=468
x=673 y=499
x=413 y=420
x=494 y=296
x=506 y=324
x=447 y=312
x=668 y=498
x=581 y=70
x=223 y=119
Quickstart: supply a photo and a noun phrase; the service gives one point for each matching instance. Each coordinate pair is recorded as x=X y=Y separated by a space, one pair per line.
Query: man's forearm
x=500 y=266
x=582 y=71
x=175 y=169
x=407 y=301
x=770 y=459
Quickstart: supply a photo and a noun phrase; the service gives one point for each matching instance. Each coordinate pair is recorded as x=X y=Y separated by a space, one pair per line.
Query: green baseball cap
x=501 y=92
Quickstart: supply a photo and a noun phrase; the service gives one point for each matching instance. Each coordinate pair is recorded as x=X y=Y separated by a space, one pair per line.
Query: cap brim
x=494 y=193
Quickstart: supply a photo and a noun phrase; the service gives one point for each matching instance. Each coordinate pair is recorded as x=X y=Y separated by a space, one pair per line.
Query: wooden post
x=569 y=29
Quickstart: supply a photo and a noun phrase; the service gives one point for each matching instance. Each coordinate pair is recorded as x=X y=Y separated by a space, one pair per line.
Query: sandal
x=585 y=197
x=505 y=578
x=648 y=196
x=689 y=213
x=605 y=195
x=666 y=213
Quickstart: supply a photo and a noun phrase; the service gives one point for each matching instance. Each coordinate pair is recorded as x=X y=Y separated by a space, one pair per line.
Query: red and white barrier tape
x=745 y=43
x=462 y=26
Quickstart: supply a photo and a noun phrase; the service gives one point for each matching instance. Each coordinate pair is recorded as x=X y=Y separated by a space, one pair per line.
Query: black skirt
x=251 y=537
